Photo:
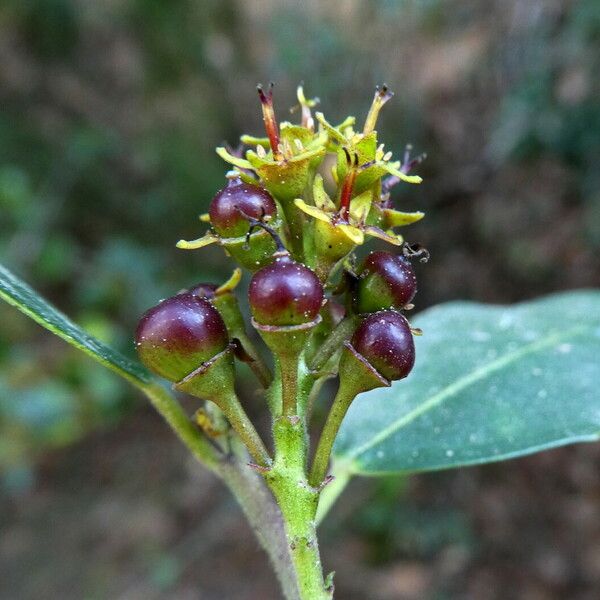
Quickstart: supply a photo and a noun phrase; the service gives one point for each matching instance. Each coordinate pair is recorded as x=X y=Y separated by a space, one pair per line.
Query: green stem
x=346 y=393
x=249 y=490
x=298 y=504
x=264 y=517
x=173 y=414
x=259 y=368
x=342 y=332
x=237 y=417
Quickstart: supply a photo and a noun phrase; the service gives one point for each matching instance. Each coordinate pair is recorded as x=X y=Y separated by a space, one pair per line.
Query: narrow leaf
x=17 y=293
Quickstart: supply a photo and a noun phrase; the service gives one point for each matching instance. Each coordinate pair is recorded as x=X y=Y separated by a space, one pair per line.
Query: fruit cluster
x=297 y=206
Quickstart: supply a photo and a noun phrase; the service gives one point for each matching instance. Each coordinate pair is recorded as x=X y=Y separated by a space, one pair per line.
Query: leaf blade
x=439 y=420
x=17 y=293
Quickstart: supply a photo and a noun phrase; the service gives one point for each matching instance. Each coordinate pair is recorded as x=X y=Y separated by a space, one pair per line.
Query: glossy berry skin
x=386 y=281
x=175 y=337
x=285 y=293
x=225 y=207
x=386 y=341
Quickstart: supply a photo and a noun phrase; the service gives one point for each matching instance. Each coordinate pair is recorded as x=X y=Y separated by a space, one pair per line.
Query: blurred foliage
x=394 y=527
x=111 y=110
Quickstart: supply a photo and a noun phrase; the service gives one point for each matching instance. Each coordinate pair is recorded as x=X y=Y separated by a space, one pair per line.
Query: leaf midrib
x=464 y=382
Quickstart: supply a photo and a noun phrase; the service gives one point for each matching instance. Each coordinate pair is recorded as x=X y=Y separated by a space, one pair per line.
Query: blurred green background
x=109 y=115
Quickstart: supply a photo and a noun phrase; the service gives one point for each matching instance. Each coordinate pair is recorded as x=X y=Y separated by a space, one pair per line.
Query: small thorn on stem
x=271 y=127
x=325 y=482
x=259 y=468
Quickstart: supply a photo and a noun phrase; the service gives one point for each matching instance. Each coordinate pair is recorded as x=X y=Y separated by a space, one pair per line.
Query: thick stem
x=298 y=503
x=346 y=393
x=287 y=365
x=264 y=517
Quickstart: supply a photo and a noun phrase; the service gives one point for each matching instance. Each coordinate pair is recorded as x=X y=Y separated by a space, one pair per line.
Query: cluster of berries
x=276 y=220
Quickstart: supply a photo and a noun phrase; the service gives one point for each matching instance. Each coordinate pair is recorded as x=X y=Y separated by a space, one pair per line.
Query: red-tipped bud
x=179 y=334
x=232 y=205
x=386 y=341
x=285 y=293
x=386 y=281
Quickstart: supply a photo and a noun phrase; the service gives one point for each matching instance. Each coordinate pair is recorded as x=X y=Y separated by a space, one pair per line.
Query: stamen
x=307 y=120
x=271 y=126
x=382 y=95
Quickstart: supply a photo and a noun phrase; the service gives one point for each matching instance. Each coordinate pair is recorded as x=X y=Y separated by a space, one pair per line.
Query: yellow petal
x=396 y=218
x=207 y=239
x=330 y=129
x=251 y=140
x=234 y=160
x=231 y=283
x=396 y=240
x=393 y=169
x=320 y=196
x=353 y=233
x=313 y=211
x=360 y=206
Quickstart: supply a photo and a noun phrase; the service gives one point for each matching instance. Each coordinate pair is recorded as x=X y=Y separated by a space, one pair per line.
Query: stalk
x=298 y=503
x=346 y=393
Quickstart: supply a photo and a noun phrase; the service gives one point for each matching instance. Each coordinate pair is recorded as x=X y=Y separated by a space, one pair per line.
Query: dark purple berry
x=285 y=293
x=228 y=207
x=386 y=281
x=179 y=334
x=386 y=341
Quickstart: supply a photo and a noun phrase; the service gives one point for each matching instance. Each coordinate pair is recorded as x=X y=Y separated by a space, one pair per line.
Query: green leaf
x=19 y=294
x=490 y=383
x=16 y=292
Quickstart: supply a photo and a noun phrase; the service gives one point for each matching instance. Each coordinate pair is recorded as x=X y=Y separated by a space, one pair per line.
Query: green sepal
x=251 y=140
x=394 y=218
x=331 y=246
x=213 y=380
x=289 y=340
x=289 y=133
x=365 y=148
x=252 y=252
x=357 y=374
x=286 y=179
